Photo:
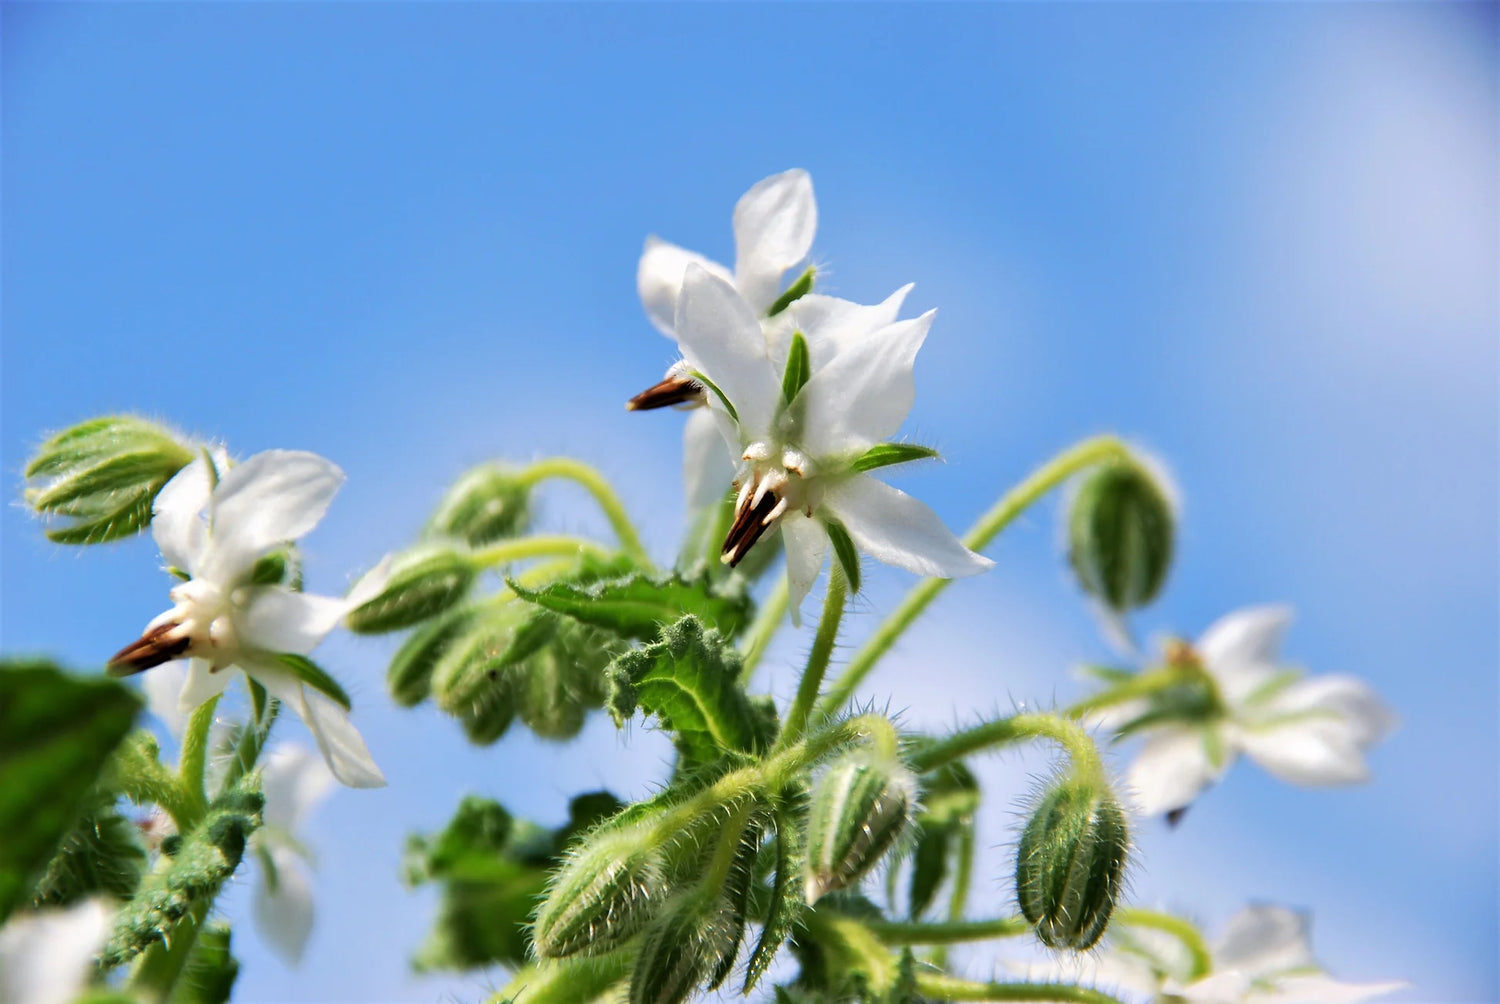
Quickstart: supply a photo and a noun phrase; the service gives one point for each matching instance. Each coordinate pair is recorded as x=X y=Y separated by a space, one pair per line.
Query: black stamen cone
x=749 y=524
x=672 y=390
x=151 y=649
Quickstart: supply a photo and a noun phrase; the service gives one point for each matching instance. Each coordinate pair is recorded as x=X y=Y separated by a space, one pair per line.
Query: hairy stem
x=599 y=487
x=915 y=933
x=951 y=988
x=522 y=548
x=1183 y=930
x=817 y=660
x=161 y=965
x=194 y=761
x=1011 y=504
x=1069 y=735
x=767 y=621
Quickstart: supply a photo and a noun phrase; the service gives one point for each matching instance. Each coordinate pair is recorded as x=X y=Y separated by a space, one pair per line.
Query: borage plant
x=749 y=871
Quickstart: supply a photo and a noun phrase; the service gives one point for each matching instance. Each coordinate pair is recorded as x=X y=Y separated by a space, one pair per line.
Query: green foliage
x=56 y=733
x=210 y=971
x=103 y=476
x=638 y=606
x=424 y=582
x=100 y=855
x=487 y=503
x=949 y=798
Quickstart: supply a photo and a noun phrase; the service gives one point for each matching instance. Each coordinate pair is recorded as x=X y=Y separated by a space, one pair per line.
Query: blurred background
x=1259 y=240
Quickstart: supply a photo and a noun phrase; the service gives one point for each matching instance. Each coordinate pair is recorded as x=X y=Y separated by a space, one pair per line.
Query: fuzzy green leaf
x=56 y=733
x=889 y=454
x=639 y=606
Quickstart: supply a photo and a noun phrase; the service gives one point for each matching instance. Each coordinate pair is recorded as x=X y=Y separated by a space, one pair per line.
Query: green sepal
x=787 y=904
x=314 y=676
x=735 y=896
x=210 y=971
x=281 y=565
x=845 y=551
x=796 y=291
x=638 y=606
x=798 y=369
x=487 y=503
x=723 y=399
x=424 y=582
x=690 y=681
x=56 y=734
x=890 y=454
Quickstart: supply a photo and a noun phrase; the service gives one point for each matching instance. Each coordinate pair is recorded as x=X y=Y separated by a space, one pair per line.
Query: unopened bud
x=1120 y=535
x=485 y=504
x=858 y=810
x=1070 y=864
x=691 y=939
x=422 y=583
x=606 y=891
x=409 y=676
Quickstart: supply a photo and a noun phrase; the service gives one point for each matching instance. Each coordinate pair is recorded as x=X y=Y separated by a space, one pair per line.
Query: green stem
x=193 y=764
x=963 y=877
x=1011 y=504
x=161 y=965
x=767 y=622
x=950 y=988
x=915 y=933
x=252 y=742
x=146 y=781
x=596 y=485
x=1003 y=731
x=817 y=660
x=522 y=548
x=1183 y=930
x=1141 y=685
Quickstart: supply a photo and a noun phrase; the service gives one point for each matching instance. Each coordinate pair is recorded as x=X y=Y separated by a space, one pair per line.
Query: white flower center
x=203 y=614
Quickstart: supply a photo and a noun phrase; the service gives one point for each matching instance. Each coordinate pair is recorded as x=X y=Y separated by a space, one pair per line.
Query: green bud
x=486 y=504
x=695 y=936
x=473 y=678
x=423 y=583
x=1071 y=862
x=409 y=676
x=604 y=893
x=103 y=475
x=858 y=810
x=1120 y=535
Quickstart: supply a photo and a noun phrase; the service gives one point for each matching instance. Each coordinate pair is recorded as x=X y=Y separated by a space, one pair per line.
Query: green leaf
x=639 y=606
x=798 y=369
x=889 y=454
x=314 y=676
x=690 y=681
x=845 y=551
x=210 y=971
x=100 y=855
x=56 y=733
x=796 y=291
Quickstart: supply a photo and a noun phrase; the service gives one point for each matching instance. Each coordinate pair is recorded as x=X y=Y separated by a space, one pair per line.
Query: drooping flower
x=774 y=224
x=213 y=531
x=47 y=957
x=808 y=430
x=1307 y=730
x=1263 y=957
x=293 y=780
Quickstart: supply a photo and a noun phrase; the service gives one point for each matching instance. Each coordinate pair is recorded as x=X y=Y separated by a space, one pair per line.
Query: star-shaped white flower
x=808 y=430
x=1263 y=957
x=214 y=530
x=774 y=225
x=293 y=780
x=47 y=957
x=1310 y=731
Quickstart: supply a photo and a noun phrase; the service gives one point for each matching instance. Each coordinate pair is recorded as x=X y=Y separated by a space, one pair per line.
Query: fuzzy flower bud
x=694 y=937
x=1070 y=863
x=858 y=810
x=422 y=583
x=604 y=894
x=484 y=505
x=1120 y=535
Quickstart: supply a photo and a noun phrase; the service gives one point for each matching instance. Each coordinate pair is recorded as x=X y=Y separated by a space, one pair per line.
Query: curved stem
x=193 y=764
x=596 y=485
x=1003 y=731
x=768 y=621
x=522 y=548
x=1183 y=930
x=817 y=660
x=896 y=933
x=1010 y=505
x=951 y=988
x=1141 y=685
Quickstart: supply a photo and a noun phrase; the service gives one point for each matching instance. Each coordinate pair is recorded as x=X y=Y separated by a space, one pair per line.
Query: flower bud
x=422 y=583
x=605 y=892
x=104 y=475
x=1120 y=535
x=485 y=504
x=409 y=676
x=858 y=810
x=1070 y=864
x=693 y=937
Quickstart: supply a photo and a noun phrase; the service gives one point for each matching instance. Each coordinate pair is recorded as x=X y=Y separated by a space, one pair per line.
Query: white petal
x=47 y=957
x=275 y=619
x=1264 y=940
x=806 y=544
x=659 y=280
x=293 y=779
x=1313 y=752
x=1319 y=988
x=162 y=686
x=179 y=520
x=864 y=393
x=284 y=918
x=1361 y=712
x=831 y=324
x=707 y=467
x=722 y=339
x=201 y=684
x=371 y=584
x=1249 y=636
x=1172 y=768
x=343 y=749
x=275 y=496
x=774 y=224
x=891 y=526
x=1219 y=988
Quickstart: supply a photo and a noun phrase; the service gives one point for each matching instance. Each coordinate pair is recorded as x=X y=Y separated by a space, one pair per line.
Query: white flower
x=293 y=780
x=1309 y=731
x=1263 y=957
x=215 y=534
x=774 y=224
x=803 y=460
x=47 y=957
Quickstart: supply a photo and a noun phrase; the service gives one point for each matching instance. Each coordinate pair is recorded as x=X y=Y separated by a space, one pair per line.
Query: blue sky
x=1261 y=240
